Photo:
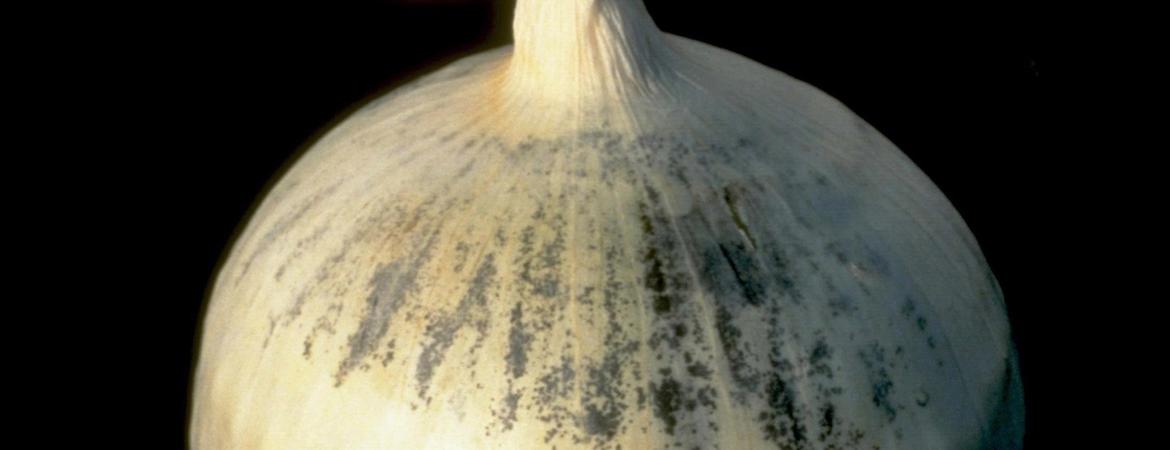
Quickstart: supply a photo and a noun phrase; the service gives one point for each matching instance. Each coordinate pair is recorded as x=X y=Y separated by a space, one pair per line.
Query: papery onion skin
x=604 y=237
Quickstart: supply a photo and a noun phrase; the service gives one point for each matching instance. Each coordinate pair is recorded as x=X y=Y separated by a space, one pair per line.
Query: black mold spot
x=782 y=423
x=699 y=370
x=656 y=281
x=518 y=343
x=600 y=422
x=388 y=357
x=874 y=359
x=557 y=382
x=828 y=421
x=672 y=335
x=782 y=273
x=508 y=415
x=741 y=372
x=667 y=401
x=391 y=284
x=326 y=323
x=603 y=397
x=706 y=397
x=538 y=270
x=910 y=312
x=819 y=359
x=440 y=332
x=551 y=253
x=656 y=258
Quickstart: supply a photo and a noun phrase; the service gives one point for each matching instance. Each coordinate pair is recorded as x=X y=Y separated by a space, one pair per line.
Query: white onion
x=605 y=236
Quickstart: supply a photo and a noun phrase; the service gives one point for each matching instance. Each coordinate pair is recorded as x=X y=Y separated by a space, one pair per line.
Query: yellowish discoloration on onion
x=607 y=236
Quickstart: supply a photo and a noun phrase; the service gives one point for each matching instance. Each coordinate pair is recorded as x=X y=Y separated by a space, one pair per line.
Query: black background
x=220 y=96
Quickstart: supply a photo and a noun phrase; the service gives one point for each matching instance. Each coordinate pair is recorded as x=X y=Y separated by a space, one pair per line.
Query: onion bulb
x=605 y=236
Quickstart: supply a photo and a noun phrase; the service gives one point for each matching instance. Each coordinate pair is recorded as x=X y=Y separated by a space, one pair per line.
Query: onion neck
x=583 y=51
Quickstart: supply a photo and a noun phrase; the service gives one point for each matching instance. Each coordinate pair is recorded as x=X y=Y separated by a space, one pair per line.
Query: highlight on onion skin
x=605 y=236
